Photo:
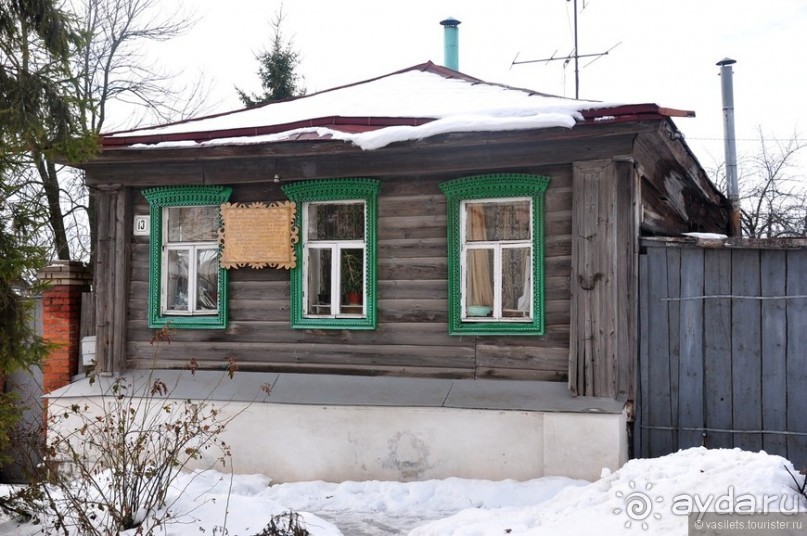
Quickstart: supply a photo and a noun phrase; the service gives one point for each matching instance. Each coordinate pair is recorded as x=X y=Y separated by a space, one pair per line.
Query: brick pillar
x=61 y=317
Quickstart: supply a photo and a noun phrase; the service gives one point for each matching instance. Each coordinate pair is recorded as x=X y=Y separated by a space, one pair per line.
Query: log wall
x=412 y=335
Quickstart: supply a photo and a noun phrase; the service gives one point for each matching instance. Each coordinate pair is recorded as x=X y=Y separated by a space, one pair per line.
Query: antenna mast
x=575 y=54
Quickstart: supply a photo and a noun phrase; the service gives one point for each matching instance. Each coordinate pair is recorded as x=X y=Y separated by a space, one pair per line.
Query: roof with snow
x=414 y=103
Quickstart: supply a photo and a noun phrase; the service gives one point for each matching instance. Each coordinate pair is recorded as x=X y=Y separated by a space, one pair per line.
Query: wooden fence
x=723 y=348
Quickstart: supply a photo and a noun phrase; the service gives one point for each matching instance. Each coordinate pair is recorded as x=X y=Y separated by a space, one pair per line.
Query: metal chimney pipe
x=729 y=143
x=451 y=57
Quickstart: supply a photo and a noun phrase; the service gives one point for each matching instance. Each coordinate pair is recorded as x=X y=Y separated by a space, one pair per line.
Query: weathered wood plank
x=641 y=434
x=522 y=357
x=557 y=223
x=718 y=401
x=87 y=322
x=659 y=411
x=103 y=278
x=320 y=368
x=604 y=293
x=519 y=374
x=797 y=356
x=357 y=355
x=410 y=334
x=626 y=285
x=557 y=336
x=747 y=348
x=412 y=205
x=418 y=247
x=674 y=334
x=120 y=263
x=411 y=227
x=690 y=401
x=582 y=316
x=412 y=268
x=773 y=279
x=419 y=310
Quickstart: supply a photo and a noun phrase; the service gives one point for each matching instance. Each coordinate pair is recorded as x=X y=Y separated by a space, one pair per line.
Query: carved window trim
x=337 y=190
x=492 y=187
x=179 y=196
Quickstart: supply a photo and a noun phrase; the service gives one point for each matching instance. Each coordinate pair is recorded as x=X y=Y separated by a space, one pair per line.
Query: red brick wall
x=61 y=319
x=61 y=310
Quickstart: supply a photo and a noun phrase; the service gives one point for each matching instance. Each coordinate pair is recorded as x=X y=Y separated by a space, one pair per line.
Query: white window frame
x=336 y=247
x=497 y=246
x=193 y=248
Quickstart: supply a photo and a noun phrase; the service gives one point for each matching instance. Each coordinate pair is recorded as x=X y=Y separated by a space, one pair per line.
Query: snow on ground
x=646 y=496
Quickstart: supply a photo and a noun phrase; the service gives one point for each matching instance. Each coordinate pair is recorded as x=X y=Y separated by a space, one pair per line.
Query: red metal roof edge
x=622 y=113
x=626 y=111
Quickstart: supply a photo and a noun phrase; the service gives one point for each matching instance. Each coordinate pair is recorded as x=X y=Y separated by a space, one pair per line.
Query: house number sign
x=258 y=235
x=142 y=226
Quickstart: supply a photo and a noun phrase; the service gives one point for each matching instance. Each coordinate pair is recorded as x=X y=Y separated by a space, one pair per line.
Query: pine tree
x=277 y=70
x=39 y=113
x=36 y=113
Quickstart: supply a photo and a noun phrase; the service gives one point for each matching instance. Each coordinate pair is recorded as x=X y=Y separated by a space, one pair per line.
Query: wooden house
x=491 y=234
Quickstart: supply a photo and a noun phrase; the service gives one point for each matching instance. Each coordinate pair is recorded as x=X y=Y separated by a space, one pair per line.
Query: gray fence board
x=747 y=354
x=641 y=447
x=717 y=347
x=773 y=283
x=722 y=349
x=690 y=349
x=797 y=356
x=673 y=318
x=658 y=401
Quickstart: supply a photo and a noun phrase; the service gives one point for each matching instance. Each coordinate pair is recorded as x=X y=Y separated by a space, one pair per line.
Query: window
x=495 y=254
x=335 y=284
x=187 y=286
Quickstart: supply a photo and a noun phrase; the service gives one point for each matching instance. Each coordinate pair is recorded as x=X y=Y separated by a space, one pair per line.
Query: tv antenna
x=571 y=55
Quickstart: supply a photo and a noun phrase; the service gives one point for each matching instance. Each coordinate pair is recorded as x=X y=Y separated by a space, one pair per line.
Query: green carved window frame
x=491 y=188
x=325 y=191
x=181 y=196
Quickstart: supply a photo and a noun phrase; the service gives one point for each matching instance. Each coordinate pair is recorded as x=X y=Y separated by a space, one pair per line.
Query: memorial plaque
x=258 y=235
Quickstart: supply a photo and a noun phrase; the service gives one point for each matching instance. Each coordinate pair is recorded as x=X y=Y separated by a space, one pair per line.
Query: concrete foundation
x=335 y=428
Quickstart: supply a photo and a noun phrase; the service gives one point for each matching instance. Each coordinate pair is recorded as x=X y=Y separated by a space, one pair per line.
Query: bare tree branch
x=773 y=199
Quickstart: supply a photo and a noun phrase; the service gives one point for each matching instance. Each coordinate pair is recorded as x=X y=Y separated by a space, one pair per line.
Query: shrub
x=110 y=460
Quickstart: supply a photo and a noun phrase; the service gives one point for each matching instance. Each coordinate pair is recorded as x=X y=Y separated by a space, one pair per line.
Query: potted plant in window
x=353 y=276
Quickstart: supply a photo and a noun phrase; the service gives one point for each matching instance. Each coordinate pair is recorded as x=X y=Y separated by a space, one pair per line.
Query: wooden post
x=604 y=279
x=114 y=215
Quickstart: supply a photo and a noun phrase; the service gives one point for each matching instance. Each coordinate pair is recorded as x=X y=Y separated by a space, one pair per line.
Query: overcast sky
x=665 y=52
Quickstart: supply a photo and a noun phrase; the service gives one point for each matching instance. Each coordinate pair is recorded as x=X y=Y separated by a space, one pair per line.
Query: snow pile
x=201 y=500
x=376 y=139
x=707 y=236
x=646 y=496
x=454 y=105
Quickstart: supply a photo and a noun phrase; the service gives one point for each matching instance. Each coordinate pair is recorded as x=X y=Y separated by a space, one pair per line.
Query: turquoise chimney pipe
x=451 y=43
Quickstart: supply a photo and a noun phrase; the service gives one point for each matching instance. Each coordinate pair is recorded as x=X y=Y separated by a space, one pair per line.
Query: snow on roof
x=415 y=103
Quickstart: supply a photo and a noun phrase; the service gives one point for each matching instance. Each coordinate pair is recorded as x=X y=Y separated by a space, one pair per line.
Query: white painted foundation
x=337 y=442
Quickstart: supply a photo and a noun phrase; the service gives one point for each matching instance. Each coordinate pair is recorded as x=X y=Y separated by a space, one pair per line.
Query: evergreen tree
x=277 y=70
x=39 y=114
x=36 y=113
